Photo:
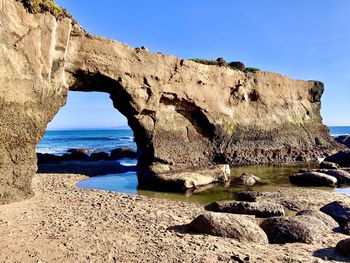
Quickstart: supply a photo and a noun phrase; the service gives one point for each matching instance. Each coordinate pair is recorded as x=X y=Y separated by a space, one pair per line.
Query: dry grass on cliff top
x=47 y=6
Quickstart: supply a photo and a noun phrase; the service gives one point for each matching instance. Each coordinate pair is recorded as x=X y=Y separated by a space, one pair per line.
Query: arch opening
x=87 y=136
x=122 y=101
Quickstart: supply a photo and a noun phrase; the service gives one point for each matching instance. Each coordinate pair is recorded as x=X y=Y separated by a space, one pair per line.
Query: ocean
x=339 y=130
x=58 y=142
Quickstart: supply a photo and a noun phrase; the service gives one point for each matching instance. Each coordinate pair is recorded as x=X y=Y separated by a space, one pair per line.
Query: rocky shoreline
x=63 y=224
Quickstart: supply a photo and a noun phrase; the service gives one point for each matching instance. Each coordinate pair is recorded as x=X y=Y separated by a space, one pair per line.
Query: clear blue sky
x=305 y=39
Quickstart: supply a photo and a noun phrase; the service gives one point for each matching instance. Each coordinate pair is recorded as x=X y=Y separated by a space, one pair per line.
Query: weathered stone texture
x=32 y=59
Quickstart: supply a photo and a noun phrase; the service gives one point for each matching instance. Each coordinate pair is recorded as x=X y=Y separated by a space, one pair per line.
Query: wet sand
x=64 y=224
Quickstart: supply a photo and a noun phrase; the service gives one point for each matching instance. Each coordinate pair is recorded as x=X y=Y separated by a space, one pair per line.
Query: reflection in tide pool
x=125 y=183
x=273 y=178
x=345 y=190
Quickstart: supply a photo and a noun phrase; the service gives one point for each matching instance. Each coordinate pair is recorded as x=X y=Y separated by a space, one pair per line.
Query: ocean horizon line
x=128 y=128
x=89 y=129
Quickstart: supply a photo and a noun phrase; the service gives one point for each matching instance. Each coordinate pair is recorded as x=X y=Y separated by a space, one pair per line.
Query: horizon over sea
x=105 y=140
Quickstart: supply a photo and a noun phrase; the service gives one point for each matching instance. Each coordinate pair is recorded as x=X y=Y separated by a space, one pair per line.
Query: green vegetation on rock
x=251 y=70
x=236 y=65
x=205 y=61
x=46 y=6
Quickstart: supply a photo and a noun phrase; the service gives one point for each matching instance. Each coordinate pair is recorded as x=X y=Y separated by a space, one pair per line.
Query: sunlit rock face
x=32 y=62
x=182 y=113
x=185 y=113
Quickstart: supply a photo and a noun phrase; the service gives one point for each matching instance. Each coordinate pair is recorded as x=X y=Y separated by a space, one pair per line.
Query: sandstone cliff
x=182 y=113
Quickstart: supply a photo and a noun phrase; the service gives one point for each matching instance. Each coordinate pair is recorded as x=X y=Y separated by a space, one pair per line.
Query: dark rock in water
x=313 y=179
x=120 y=153
x=344 y=247
x=239 y=227
x=304 y=229
x=346 y=229
x=99 y=156
x=259 y=209
x=339 y=211
x=326 y=219
x=341 y=158
x=75 y=156
x=246 y=179
x=79 y=150
x=47 y=158
x=343 y=139
x=187 y=178
x=343 y=177
x=91 y=168
x=249 y=196
x=329 y=165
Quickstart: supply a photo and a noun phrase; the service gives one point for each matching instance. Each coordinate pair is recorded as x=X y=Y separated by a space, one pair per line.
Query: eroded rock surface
x=326 y=219
x=32 y=89
x=182 y=113
x=259 y=209
x=303 y=228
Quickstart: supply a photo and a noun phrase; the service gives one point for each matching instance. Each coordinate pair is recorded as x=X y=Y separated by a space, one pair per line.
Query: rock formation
x=182 y=113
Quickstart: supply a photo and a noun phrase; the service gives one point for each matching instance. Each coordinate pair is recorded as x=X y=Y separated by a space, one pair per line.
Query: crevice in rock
x=192 y=113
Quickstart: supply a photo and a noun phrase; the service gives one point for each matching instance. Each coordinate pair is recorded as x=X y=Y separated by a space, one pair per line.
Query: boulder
x=184 y=179
x=89 y=168
x=303 y=229
x=343 y=139
x=259 y=209
x=313 y=179
x=75 y=156
x=341 y=158
x=120 y=153
x=329 y=165
x=326 y=219
x=249 y=196
x=346 y=229
x=339 y=211
x=239 y=227
x=343 y=177
x=246 y=179
x=344 y=247
x=48 y=158
x=79 y=150
x=99 y=156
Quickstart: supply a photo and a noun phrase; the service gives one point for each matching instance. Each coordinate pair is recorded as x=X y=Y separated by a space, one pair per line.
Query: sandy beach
x=64 y=224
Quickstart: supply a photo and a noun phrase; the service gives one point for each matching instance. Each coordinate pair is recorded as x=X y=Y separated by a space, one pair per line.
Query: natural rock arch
x=89 y=82
x=182 y=113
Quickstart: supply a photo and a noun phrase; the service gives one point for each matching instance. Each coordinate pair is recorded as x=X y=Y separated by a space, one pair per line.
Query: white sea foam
x=128 y=162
